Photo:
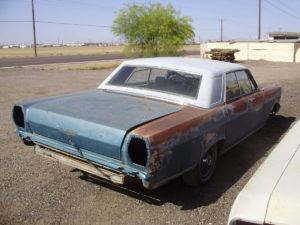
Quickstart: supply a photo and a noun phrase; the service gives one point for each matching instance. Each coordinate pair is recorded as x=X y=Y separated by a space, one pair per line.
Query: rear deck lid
x=94 y=120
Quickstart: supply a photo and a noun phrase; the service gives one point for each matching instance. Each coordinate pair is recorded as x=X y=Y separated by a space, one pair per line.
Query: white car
x=272 y=195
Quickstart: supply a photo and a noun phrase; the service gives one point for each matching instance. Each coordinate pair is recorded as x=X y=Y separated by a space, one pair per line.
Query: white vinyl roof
x=193 y=65
x=210 y=92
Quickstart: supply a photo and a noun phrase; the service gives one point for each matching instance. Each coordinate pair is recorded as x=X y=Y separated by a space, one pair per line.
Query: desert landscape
x=80 y=50
x=35 y=190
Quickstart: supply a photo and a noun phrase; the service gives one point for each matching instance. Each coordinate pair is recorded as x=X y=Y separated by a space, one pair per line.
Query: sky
x=240 y=19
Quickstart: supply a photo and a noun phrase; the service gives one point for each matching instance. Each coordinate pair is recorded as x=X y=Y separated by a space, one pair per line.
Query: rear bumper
x=104 y=167
x=81 y=164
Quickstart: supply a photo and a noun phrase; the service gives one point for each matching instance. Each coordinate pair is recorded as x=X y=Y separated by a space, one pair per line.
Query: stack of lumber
x=223 y=54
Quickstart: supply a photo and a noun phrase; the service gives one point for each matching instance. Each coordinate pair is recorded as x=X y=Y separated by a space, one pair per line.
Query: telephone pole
x=259 y=18
x=33 y=25
x=221 y=28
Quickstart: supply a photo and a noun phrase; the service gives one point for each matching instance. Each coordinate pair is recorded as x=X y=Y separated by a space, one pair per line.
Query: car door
x=255 y=102
x=237 y=110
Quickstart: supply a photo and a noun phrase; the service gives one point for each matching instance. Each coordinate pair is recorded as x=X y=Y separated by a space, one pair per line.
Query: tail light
x=18 y=116
x=137 y=151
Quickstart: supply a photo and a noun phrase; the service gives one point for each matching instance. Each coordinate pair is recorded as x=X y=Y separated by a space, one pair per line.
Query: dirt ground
x=36 y=190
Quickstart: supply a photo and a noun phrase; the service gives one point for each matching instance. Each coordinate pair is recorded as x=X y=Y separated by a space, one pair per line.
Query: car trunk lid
x=96 y=121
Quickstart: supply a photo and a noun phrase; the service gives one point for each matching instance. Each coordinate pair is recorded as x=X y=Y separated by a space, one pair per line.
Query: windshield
x=160 y=80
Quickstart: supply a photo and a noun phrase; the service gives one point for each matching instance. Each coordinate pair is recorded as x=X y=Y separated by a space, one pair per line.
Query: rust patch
x=68 y=132
x=208 y=137
x=149 y=109
x=239 y=106
x=271 y=92
x=258 y=100
x=155 y=161
x=163 y=129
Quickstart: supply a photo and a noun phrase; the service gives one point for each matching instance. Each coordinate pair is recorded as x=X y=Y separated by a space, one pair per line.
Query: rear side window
x=232 y=86
x=238 y=83
x=244 y=82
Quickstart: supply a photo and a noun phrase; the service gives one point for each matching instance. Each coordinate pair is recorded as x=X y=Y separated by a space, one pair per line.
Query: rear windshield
x=160 y=80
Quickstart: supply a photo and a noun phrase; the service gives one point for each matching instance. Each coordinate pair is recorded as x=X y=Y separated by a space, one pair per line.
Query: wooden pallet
x=223 y=54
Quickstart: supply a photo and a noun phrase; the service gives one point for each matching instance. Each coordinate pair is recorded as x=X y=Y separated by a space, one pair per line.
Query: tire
x=202 y=173
x=275 y=109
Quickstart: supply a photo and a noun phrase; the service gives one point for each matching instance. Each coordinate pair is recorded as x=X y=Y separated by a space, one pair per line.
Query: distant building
x=47 y=45
x=277 y=51
x=284 y=35
x=91 y=44
x=14 y=46
x=73 y=44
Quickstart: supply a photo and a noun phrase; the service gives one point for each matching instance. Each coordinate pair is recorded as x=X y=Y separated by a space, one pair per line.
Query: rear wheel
x=204 y=170
x=275 y=109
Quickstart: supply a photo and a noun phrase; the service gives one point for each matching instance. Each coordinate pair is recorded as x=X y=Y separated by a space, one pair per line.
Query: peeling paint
x=68 y=132
x=272 y=92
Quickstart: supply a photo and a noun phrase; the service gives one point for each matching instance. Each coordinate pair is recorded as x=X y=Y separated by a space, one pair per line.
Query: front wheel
x=204 y=170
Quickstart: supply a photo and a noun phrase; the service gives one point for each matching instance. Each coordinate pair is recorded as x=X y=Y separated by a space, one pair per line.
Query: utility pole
x=33 y=25
x=259 y=18
x=221 y=28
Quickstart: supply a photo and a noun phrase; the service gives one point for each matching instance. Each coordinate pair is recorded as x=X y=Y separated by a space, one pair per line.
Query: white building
x=277 y=51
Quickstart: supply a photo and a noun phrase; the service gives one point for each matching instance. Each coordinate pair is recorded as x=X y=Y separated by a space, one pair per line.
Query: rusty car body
x=152 y=119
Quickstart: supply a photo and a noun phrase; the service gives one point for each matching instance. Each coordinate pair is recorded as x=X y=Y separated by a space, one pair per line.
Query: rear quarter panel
x=272 y=96
x=178 y=141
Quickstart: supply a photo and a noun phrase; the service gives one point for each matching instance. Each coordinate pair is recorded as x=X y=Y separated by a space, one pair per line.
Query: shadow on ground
x=230 y=168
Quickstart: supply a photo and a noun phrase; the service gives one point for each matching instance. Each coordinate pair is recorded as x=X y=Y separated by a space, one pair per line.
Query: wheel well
x=220 y=145
x=275 y=108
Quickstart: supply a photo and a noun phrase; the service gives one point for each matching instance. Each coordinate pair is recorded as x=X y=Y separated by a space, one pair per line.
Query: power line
x=282 y=10
x=287 y=7
x=52 y=22
x=74 y=24
x=15 y=21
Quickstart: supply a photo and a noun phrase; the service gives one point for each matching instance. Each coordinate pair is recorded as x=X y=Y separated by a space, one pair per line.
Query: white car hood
x=272 y=195
x=284 y=204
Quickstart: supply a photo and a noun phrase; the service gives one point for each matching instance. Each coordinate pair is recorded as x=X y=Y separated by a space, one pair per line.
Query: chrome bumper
x=80 y=164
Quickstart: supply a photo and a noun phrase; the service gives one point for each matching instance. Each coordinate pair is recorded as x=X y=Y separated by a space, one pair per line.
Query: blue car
x=152 y=119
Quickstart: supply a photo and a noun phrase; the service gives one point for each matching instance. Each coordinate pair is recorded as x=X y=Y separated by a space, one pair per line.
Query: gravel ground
x=35 y=190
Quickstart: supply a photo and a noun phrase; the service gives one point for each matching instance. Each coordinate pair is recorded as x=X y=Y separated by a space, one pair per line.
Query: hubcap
x=207 y=165
x=207 y=161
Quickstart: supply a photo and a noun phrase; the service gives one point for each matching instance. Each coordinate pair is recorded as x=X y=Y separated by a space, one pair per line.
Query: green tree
x=152 y=30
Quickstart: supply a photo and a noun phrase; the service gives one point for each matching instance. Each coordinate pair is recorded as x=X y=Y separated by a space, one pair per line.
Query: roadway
x=29 y=61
